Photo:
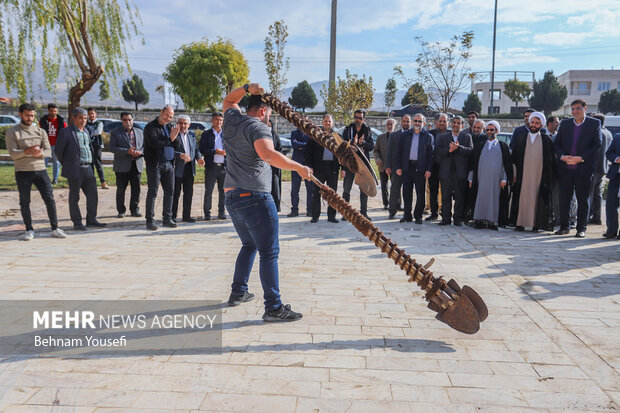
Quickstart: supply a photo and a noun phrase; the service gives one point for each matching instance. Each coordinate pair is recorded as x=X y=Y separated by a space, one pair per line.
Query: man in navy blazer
x=185 y=158
x=212 y=148
x=127 y=145
x=74 y=152
x=576 y=144
x=415 y=163
x=611 y=205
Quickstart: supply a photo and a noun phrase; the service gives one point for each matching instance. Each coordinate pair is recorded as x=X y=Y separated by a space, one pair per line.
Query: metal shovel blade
x=476 y=300
x=461 y=316
x=365 y=178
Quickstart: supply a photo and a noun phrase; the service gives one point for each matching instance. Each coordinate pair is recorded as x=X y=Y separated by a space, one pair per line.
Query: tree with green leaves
x=516 y=91
x=134 y=91
x=390 y=93
x=87 y=36
x=276 y=63
x=302 y=96
x=104 y=92
x=202 y=73
x=472 y=103
x=548 y=94
x=415 y=95
x=346 y=95
x=443 y=67
x=609 y=102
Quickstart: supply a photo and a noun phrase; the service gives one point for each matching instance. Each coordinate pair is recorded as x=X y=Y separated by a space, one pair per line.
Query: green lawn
x=7 y=176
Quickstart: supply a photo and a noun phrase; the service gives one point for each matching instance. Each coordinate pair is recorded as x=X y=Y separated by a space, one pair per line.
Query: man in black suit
x=611 y=205
x=160 y=143
x=453 y=151
x=212 y=148
x=357 y=133
x=395 y=180
x=74 y=152
x=185 y=169
x=325 y=168
x=414 y=164
x=441 y=127
x=127 y=145
x=578 y=140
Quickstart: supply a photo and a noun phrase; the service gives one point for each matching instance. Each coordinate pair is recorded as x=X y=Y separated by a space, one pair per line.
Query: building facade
x=587 y=85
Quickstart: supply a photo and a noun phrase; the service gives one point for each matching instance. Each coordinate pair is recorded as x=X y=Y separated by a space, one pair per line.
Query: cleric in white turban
x=494 y=123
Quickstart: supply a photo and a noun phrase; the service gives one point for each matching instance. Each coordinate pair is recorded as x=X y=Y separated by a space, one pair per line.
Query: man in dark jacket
x=185 y=169
x=212 y=148
x=380 y=153
x=299 y=142
x=325 y=168
x=578 y=140
x=441 y=127
x=357 y=133
x=414 y=164
x=160 y=144
x=95 y=129
x=52 y=123
x=396 y=181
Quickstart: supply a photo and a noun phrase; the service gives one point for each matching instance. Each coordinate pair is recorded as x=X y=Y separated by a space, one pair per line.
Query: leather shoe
x=292 y=214
x=493 y=227
x=480 y=225
x=120 y=215
x=79 y=228
x=391 y=216
x=418 y=221
x=169 y=224
x=343 y=218
x=458 y=223
x=151 y=226
x=96 y=224
x=136 y=214
x=315 y=220
x=609 y=236
x=207 y=218
x=334 y=220
x=405 y=220
x=580 y=234
x=561 y=231
x=365 y=216
x=519 y=229
x=221 y=216
x=444 y=223
x=431 y=218
x=189 y=219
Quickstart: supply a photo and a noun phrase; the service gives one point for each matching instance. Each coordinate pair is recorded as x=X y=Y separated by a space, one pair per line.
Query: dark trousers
x=187 y=183
x=571 y=181
x=97 y=153
x=122 y=180
x=411 y=178
x=328 y=176
x=162 y=173
x=276 y=186
x=88 y=184
x=295 y=187
x=596 y=196
x=385 y=193
x=453 y=188
x=433 y=189
x=213 y=175
x=397 y=183
x=611 y=205
x=41 y=181
x=349 y=177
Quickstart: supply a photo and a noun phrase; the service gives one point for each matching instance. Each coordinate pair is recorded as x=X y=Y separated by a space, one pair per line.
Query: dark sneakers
x=283 y=313
x=235 y=300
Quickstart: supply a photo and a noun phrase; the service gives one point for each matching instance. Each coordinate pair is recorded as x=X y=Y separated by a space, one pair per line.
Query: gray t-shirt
x=244 y=168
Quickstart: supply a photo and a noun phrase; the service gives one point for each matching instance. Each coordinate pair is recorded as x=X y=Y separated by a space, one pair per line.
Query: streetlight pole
x=493 y=64
x=332 y=46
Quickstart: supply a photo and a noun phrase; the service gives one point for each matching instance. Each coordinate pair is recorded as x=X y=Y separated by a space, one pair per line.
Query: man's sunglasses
x=417 y=121
x=490 y=130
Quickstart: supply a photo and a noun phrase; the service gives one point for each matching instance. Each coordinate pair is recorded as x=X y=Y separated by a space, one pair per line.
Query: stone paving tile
x=366 y=343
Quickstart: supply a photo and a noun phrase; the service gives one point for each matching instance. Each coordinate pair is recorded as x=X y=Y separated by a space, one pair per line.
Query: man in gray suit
x=127 y=144
x=600 y=166
x=185 y=169
x=74 y=153
x=453 y=151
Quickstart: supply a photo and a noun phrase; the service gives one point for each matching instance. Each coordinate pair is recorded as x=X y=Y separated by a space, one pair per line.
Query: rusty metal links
x=424 y=278
x=344 y=151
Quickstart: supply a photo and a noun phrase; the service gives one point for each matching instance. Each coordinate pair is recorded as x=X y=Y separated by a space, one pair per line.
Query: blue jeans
x=55 y=164
x=255 y=218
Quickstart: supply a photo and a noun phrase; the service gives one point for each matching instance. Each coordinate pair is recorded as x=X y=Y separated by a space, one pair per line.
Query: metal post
x=332 y=46
x=493 y=64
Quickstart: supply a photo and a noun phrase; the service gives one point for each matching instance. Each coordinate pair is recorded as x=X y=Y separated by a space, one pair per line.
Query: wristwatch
x=246 y=87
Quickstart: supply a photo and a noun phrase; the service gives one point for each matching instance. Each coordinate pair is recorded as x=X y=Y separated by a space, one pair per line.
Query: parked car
x=285 y=139
x=612 y=123
x=194 y=125
x=504 y=137
x=414 y=109
x=9 y=120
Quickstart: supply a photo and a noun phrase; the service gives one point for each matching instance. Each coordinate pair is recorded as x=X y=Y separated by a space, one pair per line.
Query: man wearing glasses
x=578 y=140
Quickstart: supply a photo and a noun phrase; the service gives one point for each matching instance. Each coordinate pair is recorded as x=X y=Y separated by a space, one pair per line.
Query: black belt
x=85 y=163
x=413 y=162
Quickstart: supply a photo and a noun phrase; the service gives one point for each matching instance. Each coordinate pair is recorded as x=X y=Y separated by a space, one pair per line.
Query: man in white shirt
x=214 y=154
x=185 y=169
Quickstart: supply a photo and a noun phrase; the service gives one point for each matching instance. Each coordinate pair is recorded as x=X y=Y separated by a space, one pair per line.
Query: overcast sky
x=372 y=36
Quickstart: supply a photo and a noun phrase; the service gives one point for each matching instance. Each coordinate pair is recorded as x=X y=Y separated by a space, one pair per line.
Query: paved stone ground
x=367 y=343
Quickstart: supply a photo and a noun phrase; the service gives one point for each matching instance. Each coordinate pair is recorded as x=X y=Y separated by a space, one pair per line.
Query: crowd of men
x=549 y=175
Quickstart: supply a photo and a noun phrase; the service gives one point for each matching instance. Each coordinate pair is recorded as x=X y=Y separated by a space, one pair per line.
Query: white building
x=587 y=85
x=501 y=102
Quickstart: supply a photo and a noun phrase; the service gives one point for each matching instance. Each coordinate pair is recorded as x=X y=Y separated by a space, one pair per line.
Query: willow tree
x=86 y=37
